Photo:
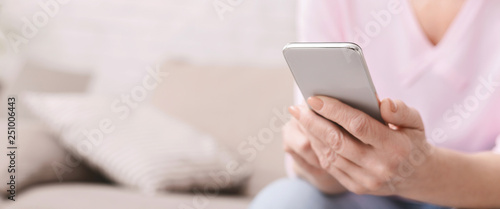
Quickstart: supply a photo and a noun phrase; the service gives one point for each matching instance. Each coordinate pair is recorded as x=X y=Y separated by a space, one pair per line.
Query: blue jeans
x=297 y=193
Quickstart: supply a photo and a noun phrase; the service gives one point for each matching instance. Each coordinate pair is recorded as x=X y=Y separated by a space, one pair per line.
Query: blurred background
x=227 y=78
x=109 y=37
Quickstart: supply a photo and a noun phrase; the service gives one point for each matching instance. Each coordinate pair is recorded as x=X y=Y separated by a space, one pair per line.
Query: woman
x=442 y=58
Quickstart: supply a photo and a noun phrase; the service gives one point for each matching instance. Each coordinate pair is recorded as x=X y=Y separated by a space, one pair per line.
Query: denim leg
x=409 y=204
x=296 y=193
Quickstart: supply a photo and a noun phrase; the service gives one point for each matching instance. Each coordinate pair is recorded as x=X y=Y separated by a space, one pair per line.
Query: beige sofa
x=230 y=103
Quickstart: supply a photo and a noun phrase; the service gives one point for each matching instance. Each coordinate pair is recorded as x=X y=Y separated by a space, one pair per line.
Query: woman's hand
x=306 y=165
x=364 y=155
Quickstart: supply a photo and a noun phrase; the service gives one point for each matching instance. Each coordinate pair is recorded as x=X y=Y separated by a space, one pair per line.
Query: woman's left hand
x=364 y=155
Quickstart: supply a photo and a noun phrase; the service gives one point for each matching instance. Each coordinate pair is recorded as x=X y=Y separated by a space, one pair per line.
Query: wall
x=120 y=38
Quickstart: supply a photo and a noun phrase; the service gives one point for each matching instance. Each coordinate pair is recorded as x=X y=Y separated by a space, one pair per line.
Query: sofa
x=231 y=103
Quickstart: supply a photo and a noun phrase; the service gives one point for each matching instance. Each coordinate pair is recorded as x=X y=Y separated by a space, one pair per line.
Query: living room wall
x=110 y=38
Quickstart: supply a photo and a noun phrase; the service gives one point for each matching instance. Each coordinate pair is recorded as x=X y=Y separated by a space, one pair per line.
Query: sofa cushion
x=84 y=196
x=235 y=104
x=40 y=159
x=142 y=147
x=43 y=159
x=40 y=77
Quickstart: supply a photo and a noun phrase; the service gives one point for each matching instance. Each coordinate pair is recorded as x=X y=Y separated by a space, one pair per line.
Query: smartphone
x=337 y=70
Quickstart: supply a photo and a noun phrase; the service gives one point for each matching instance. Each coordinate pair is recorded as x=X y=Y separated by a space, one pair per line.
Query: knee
x=288 y=193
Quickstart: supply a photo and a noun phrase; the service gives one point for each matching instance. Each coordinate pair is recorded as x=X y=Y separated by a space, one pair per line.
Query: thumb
x=398 y=113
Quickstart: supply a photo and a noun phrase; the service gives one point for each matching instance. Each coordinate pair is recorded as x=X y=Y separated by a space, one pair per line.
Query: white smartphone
x=336 y=70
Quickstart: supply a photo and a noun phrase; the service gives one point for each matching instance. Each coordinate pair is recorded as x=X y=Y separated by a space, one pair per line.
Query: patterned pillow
x=138 y=146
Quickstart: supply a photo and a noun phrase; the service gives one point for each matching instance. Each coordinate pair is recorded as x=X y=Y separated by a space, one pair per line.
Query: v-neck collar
x=454 y=26
x=452 y=36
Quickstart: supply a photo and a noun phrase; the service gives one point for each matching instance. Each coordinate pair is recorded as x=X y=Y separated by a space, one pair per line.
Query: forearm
x=457 y=179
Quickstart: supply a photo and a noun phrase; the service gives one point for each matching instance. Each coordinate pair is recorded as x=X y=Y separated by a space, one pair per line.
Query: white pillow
x=144 y=148
x=38 y=158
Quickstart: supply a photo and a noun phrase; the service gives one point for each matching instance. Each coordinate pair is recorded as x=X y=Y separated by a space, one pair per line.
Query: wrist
x=425 y=164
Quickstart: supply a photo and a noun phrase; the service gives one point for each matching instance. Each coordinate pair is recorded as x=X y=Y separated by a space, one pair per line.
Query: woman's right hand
x=306 y=164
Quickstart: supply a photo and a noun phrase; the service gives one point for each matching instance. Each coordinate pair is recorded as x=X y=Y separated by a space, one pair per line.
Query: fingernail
x=315 y=103
x=392 y=126
x=392 y=104
x=294 y=111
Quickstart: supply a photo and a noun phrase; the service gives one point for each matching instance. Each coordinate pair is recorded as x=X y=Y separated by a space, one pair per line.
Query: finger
x=359 y=174
x=323 y=152
x=297 y=142
x=320 y=148
x=398 y=113
x=304 y=165
x=346 y=180
x=356 y=122
x=322 y=132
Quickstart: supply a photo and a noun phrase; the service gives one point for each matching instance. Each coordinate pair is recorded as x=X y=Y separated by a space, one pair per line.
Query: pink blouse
x=455 y=85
